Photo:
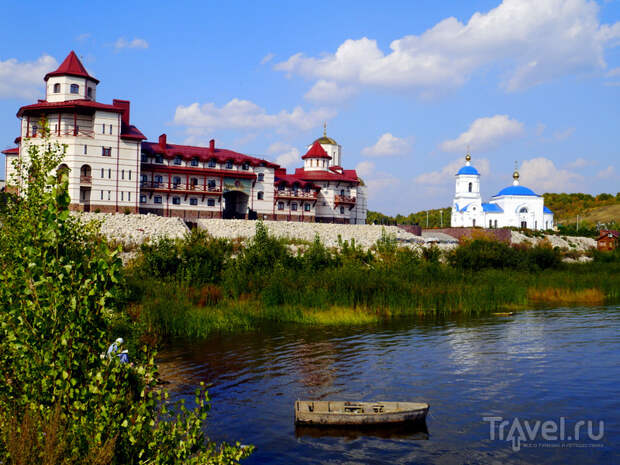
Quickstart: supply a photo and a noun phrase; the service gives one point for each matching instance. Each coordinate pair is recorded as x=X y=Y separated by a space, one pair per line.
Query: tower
x=331 y=147
x=467 y=203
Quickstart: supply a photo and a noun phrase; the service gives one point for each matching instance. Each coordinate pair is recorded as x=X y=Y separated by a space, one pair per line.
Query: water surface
x=534 y=365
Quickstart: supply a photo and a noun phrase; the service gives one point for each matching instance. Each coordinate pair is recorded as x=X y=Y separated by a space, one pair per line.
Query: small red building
x=608 y=240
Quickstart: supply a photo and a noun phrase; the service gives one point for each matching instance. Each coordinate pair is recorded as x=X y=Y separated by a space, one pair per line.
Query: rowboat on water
x=322 y=412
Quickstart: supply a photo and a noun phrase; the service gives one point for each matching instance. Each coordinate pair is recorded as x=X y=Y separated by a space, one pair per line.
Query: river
x=559 y=366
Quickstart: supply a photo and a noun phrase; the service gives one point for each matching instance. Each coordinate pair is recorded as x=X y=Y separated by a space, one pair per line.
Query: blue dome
x=517 y=190
x=468 y=170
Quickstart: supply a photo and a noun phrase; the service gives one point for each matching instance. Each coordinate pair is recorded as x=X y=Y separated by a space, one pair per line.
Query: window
x=157 y=199
x=294 y=206
x=342 y=210
x=342 y=192
x=193 y=201
x=176 y=200
x=129 y=196
x=56 y=88
x=177 y=160
x=280 y=205
x=211 y=163
x=144 y=158
x=102 y=173
x=229 y=165
x=524 y=224
x=470 y=186
x=495 y=223
x=194 y=161
x=281 y=187
x=307 y=207
x=307 y=189
x=110 y=129
x=85 y=149
x=159 y=179
x=109 y=192
x=122 y=174
x=34 y=130
x=90 y=92
x=261 y=177
x=122 y=196
x=523 y=210
x=211 y=202
x=103 y=129
x=260 y=195
x=159 y=159
x=473 y=223
x=211 y=183
x=106 y=151
x=245 y=166
x=75 y=89
x=130 y=175
x=143 y=199
x=176 y=180
x=490 y=223
x=101 y=195
x=194 y=182
x=144 y=178
x=109 y=173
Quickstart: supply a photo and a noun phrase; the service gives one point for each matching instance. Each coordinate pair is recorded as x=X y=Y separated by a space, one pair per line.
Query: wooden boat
x=322 y=412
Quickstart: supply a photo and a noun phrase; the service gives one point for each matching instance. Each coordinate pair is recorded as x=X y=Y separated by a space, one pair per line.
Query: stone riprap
x=132 y=230
x=579 y=244
x=364 y=235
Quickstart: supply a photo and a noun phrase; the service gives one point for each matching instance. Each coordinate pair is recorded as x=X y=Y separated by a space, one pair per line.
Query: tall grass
x=186 y=289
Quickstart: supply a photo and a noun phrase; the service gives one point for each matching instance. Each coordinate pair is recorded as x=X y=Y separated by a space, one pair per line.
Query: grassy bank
x=200 y=285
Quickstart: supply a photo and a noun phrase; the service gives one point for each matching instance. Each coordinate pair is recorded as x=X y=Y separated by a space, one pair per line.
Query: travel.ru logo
x=548 y=433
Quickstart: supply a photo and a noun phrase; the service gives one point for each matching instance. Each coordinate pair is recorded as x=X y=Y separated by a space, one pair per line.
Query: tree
x=60 y=401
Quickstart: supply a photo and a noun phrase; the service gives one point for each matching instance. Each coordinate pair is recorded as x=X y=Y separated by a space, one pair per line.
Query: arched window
x=261 y=177
x=470 y=186
x=75 y=89
x=194 y=161
x=212 y=163
x=523 y=210
x=177 y=160
x=56 y=88
x=260 y=195
x=229 y=165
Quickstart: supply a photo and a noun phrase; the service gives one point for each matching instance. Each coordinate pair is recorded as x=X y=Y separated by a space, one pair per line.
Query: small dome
x=468 y=170
x=326 y=140
x=515 y=175
x=517 y=190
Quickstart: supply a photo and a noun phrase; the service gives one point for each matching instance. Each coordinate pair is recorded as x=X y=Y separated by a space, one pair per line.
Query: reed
x=567 y=296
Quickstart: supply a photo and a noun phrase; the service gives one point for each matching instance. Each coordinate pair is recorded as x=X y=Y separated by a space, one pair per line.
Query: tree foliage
x=60 y=401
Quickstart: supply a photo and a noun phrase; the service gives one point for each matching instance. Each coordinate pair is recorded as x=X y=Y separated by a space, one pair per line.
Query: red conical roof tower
x=72 y=66
x=316 y=151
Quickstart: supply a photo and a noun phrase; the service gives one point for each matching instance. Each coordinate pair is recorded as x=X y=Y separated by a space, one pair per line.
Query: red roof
x=131 y=132
x=72 y=66
x=316 y=151
x=13 y=151
x=604 y=233
x=290 y=179
x=347 y=175
x=187 y=152
x=77 y=104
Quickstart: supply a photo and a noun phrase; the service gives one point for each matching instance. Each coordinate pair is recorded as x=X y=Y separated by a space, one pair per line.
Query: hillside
x=566 y=207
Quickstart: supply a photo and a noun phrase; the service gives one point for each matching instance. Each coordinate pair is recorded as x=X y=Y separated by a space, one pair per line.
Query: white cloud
x=484 y=134
x=329 y=92
x=580 y=163
x=607 y=173
x=24 y=79
x=446 y=174
x=83 y=37
x=541 y=175
x=267 y=58
x=613 y=72
x=287 y=155
x=365 y=168
x=121 y=42
x=563 y=135
x=244 y=114
x=388 y=145
x=530 y=41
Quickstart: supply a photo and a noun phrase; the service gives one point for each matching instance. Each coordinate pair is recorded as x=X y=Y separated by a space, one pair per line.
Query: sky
x=405 y=87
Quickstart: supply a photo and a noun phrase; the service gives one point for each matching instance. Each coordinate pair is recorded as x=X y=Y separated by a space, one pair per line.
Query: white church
x=514 y=206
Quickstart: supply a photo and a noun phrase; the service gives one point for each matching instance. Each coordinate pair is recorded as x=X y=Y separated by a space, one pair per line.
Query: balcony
x=86 y=180
x=184 y=188
x=293 y=194
x=343 y=199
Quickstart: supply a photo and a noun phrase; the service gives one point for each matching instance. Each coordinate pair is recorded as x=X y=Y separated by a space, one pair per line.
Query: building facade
x=112 y=168
x=514 y=206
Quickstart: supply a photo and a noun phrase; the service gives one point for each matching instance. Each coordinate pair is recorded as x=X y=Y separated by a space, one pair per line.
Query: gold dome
x=515 y=175
x=326 y=140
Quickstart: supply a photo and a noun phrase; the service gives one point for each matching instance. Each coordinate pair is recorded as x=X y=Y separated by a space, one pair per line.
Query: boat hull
x=358 y=413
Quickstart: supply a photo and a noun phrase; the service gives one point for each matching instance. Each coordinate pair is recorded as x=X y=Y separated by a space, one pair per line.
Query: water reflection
x=414 y=431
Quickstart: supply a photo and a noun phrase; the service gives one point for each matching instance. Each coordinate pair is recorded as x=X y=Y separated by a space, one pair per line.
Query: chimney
x=162 y=141
x=124 y=105
x=212 y=145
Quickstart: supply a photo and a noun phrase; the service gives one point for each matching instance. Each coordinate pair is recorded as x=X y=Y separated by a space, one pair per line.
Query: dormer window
x=75 y=89
x=245 y=166
x=57 y=88
x=229 y=165
x=159 y=159
x=177 y=160
x=90 y=92
x=194 y=161
x=144 y=158
x=211 y=163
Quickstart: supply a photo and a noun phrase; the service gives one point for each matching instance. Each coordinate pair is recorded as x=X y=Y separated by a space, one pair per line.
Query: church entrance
x=235 y=205
x=523 y=224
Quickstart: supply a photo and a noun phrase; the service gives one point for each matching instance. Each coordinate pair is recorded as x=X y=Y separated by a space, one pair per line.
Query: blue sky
x=404 y=87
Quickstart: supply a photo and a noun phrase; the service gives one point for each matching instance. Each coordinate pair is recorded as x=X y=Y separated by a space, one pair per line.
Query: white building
x=113 y=169
x=514 y=206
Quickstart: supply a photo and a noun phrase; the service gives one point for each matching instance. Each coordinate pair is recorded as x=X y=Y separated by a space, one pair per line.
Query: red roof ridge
x=71 y=66
x=316 y=151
